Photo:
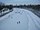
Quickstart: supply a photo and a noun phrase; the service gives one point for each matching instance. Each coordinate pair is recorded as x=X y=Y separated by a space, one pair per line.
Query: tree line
x=36 y=7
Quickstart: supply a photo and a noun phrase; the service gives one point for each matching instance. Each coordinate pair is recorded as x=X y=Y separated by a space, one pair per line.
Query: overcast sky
x=21 y=1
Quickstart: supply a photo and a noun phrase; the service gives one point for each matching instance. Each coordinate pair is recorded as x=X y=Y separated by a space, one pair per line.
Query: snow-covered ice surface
x=28 y=20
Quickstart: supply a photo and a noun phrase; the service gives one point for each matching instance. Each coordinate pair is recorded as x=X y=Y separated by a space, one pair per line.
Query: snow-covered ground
x=5 y=11
x=28 y=20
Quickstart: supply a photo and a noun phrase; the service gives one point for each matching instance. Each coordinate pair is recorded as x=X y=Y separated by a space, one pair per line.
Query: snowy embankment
x=28 y=20
x=5 y=11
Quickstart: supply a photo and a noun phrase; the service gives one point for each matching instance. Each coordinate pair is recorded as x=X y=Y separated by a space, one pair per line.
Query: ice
x=26 y=20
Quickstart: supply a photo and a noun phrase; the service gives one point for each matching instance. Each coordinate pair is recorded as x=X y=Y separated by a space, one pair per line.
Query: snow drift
x=28 y=20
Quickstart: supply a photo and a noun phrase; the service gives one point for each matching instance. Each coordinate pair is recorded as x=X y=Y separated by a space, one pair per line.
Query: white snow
x=28 y=20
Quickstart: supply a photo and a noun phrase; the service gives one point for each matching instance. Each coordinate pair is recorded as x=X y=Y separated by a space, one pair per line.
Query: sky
x=21 y=1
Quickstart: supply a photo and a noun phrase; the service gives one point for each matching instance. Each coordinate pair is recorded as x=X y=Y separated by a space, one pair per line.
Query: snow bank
x=28 y=20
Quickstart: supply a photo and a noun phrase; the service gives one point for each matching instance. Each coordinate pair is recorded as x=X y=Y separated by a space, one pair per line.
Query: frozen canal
x=20 y=19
